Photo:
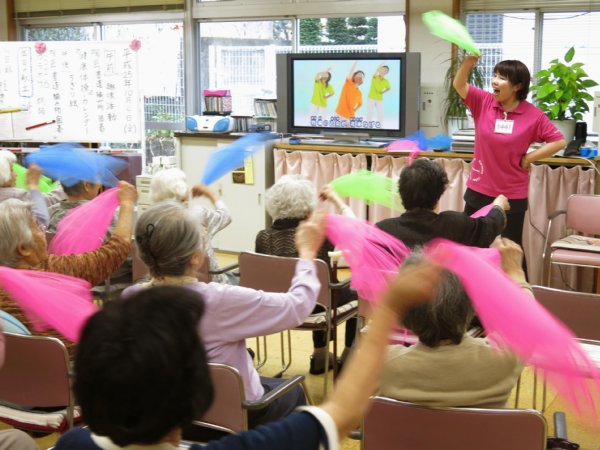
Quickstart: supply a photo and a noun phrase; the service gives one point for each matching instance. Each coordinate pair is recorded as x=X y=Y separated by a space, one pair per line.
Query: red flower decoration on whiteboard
x=40 y=47
x=135 y=45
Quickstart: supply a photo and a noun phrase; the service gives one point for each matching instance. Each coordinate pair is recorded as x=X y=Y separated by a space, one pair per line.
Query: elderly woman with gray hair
x=170 y=242
x=23 y=246
x=448 y=367
x=9 y=190
x=289 y=201
x=171 y=184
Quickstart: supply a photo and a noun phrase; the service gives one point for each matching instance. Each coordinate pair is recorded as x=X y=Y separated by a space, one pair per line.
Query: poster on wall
x=69 y=91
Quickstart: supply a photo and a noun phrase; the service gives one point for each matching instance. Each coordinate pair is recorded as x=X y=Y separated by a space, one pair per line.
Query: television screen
x=349 y=93
x=354 y=94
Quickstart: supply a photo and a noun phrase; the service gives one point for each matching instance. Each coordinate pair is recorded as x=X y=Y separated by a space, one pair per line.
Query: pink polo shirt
x=496 y=167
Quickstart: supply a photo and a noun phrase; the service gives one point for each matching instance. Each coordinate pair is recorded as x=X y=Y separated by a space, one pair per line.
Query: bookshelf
x=242 y=123
x=217 y=102
x=265 y=112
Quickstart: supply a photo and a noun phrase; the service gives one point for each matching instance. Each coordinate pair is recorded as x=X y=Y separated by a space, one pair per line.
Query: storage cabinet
x=245 y=201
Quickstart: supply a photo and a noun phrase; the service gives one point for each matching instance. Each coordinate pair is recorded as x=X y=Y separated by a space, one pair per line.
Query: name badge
x=504 y=126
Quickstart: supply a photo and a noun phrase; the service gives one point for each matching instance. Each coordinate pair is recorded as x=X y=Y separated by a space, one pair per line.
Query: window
x=352 y=34
x=68 y=33
x=585 y=40
x=240 y=57
x=502 y=36
x=513 y=36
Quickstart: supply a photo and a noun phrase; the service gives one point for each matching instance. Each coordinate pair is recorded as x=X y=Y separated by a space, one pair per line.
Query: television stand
x=343 y=143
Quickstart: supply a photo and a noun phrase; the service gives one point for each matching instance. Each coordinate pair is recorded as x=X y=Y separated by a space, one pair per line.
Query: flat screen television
x=374 y=93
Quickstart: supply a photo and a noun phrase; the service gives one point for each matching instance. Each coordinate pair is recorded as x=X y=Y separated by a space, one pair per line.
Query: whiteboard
x=80 y=91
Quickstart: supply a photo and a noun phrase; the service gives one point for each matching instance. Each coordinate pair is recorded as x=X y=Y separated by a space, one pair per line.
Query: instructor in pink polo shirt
x=506 y=124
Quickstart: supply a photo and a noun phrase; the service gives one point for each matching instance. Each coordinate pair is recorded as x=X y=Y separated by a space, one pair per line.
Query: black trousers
x=515 y=217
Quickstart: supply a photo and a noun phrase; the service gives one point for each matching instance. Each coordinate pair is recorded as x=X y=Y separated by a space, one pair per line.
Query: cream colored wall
x=3 y=21
x=435 y=53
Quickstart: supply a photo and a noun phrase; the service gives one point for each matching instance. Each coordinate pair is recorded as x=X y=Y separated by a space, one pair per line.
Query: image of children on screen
x=379 y=86
x=357 y=94
x=321 y=92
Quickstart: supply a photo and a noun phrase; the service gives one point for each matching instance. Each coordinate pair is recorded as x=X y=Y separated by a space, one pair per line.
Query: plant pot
x=566 y=127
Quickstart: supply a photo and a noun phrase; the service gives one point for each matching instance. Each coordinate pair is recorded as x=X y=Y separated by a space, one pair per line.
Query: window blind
x=27 y=8
x=257 y=9
x=544 y=5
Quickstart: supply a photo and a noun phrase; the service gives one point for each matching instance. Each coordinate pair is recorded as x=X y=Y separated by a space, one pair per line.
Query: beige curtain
x=321 y=169
x=548 y=191
x=390 y=166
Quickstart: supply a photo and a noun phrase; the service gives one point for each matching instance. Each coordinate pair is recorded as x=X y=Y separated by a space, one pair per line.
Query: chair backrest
x=274 y=274
x=577 y=310
x=35 y=371
x=226 y=412
x=392 y=424
x=583 y=213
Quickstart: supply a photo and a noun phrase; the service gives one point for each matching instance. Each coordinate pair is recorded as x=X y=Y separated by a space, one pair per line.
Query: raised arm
x=349 y=400
x=460 y=81
x=248 y=312
x=214 y=220
x=127 y=199
x=328 y=194
x=511 y=255
x=322 y=74
x=352 y=70
x=39 y=208
x=97 y=265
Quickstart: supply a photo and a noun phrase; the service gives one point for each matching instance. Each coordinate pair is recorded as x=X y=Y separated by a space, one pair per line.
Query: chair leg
x=328 y=337
x=534 y=388
x=544 y=393
x=285 y=366
x=259 y=360
x=517 y=392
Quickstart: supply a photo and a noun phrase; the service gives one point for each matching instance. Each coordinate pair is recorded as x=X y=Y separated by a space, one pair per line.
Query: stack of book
x=217 y=101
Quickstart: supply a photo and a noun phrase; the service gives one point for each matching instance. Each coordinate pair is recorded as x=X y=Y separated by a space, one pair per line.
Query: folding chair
x=580 y=312
x=582 y=217
x=393 y=424
x=274 y=274
x=36 y=374
x=229 y=411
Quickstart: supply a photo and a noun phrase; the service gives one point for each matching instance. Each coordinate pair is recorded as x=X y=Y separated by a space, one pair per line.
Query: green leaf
x=546 y=90
x=569 y=55
x=554 y=109
x=588 y=83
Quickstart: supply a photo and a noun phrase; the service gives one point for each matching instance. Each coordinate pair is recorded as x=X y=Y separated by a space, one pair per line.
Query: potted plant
x=560 y=91
x=454 y=109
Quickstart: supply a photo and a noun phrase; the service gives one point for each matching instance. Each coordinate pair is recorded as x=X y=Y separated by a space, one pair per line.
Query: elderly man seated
x=448 y=367
x=421 y=186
